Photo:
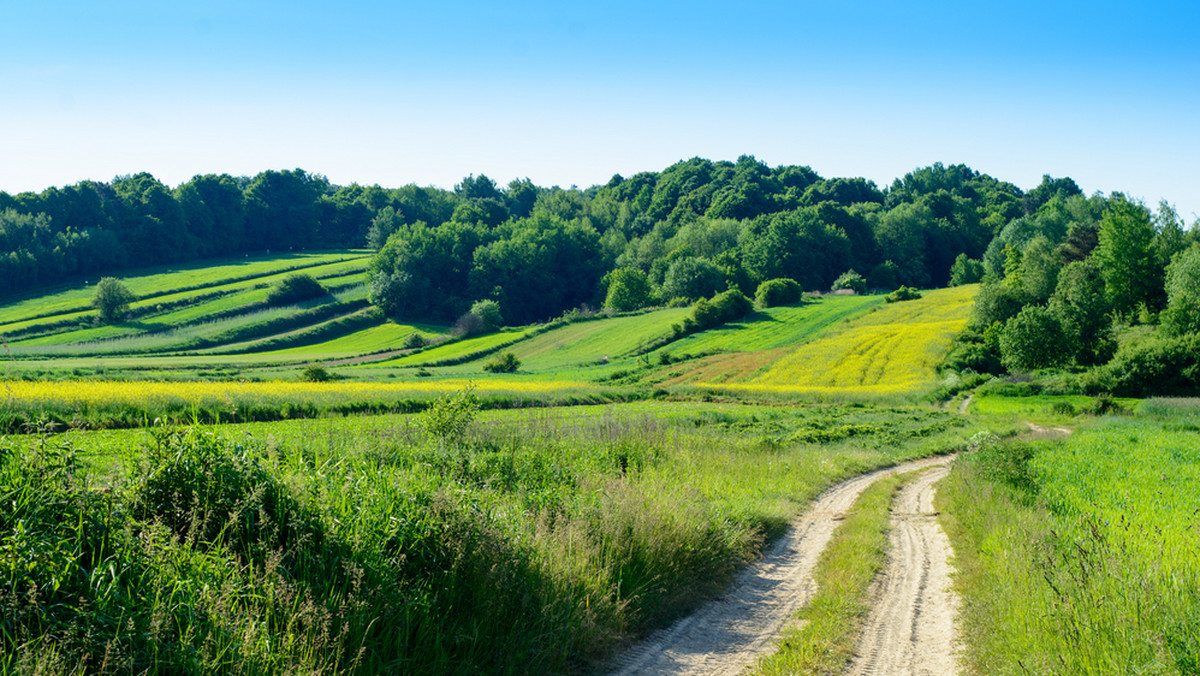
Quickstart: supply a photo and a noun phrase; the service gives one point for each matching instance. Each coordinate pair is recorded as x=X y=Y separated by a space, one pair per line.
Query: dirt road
x=729 y=634
x=911 y=629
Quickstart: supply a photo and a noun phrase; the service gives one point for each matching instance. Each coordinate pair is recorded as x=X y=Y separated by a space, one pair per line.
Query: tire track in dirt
x=728 y=634
x=910 y=630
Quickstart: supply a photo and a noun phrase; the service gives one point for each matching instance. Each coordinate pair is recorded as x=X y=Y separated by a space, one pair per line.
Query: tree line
x=692 y=230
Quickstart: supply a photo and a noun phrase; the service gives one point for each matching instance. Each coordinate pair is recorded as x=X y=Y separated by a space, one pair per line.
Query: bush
x=850 y=280
x=489 y=312
x=1153 y=366
x=965 y=271
x=902 y=294
x=414 y=341
x=782 y=291
x=112 y=299
x=295 y=288
x=505 y=362
x=316 y=374
x=722 y=308
x=628 y=289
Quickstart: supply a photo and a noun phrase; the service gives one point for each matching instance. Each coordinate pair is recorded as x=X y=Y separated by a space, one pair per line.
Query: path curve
x=728 y=634
x=910 y=630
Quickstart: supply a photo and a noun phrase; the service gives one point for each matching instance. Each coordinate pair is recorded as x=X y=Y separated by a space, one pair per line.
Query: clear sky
x=571 y=93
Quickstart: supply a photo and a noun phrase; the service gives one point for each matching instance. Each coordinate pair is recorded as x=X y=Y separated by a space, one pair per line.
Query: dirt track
x=729 y=634
x=911 y=628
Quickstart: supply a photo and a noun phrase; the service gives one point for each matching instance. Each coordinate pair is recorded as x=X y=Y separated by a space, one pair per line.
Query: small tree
x=112 y=299
x=1033 y=339
x=965 y=271
x=628 y=289
x=448 y=418
x=489 y=311
x=850 y=280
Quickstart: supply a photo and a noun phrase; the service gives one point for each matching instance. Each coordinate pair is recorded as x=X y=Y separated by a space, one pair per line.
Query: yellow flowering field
x=127 y=403
x=892 y=350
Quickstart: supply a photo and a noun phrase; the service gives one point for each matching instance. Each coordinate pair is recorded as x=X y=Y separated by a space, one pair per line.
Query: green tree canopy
x=112 y=299
x=1183 y=292
x=1127 y=256
x=628 y=289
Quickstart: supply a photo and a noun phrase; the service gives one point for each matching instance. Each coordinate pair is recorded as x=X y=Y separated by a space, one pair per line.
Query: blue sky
x=569 y=94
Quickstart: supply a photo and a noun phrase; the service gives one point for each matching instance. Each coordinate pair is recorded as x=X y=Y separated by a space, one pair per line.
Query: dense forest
x=690 y=231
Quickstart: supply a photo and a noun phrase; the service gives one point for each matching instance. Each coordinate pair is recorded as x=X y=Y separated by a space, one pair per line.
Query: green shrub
x=505 y=362
x=489 y=311
x=852 y=281
x=902 y=294
x=782 y=291
x=316 y=374
x=1033 y=339
x=295 y=288
x=112 y=299
x=1156 y=365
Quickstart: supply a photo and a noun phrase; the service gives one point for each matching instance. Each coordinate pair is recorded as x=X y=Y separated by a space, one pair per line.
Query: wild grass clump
x=1080 y=555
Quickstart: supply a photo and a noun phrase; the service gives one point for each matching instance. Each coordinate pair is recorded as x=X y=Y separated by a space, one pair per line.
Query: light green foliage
x=1183 y=292
x=112 y=300
x=1127 y=257
x=628 y=289
x=449 y=417
x=850 y=280
x=1039 y=269
x=902 y=294
x=488 y=310
x=965 y=271
x=782 y=291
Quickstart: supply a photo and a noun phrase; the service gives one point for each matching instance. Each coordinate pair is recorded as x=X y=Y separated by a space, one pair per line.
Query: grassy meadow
x=216 y=485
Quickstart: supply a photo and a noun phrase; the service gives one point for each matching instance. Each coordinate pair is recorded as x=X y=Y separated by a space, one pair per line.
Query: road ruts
x=910 y=630
x=728 y=634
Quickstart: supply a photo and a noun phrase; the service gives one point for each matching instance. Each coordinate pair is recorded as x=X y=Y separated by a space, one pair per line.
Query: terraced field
x=892 y=350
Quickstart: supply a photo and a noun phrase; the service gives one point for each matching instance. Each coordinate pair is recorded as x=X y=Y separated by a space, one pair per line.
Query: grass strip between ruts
x=823 y=640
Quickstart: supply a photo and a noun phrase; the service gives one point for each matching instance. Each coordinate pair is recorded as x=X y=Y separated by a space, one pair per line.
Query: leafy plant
x=505 y=362
x=295 y=288
x=112 y=299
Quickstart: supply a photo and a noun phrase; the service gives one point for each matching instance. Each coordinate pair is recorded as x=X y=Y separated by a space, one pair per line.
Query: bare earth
x=728 y=634
x=911 y=630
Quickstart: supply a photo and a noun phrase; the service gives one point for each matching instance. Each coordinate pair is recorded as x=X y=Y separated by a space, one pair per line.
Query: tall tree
x=1129 y=262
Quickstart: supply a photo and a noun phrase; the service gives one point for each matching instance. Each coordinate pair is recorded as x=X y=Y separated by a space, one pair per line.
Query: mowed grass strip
x=892 y=350
x=776 y=327
x=595 y=341
x=459 y=349
x=824 y=639
x=170 y=279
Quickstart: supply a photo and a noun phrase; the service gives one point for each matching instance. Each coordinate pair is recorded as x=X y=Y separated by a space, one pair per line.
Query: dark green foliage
x=902 y=294
x=1033 y=339
x=295 y=288
x=1152 y=366
x=1082 y=310
x=316 y=374
x=505 y=362
x=112 y=299
x=885 y=276
x=850 y=280
x=724 y=307
x=996 y=302
x=797 y=245
x=774 y=292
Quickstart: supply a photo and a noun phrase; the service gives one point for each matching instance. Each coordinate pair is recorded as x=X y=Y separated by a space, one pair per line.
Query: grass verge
x=824 y=640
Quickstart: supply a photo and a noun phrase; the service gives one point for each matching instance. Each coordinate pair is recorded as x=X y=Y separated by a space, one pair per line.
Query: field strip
x=911 y=627
x=728 y=634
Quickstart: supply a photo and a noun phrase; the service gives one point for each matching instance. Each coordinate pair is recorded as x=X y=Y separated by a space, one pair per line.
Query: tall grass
x=1080 y=555
x=527 y=548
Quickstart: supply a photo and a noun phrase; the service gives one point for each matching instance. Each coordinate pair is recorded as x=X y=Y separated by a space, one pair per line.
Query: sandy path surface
x=911 y=628
x=728 y=634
